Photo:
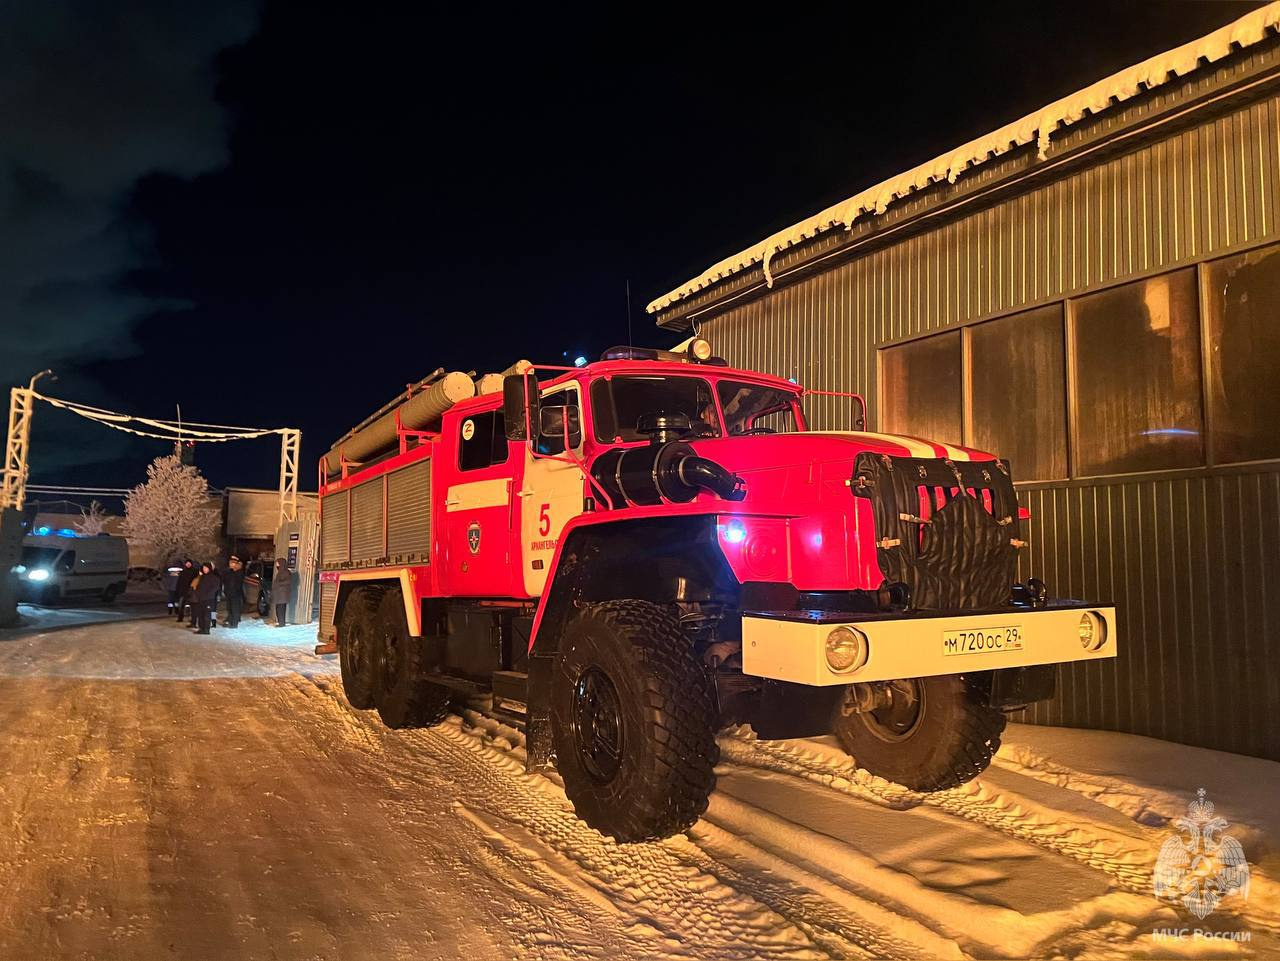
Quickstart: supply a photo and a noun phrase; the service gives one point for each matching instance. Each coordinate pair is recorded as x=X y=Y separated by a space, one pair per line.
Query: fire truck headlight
x=1093 y=631
x=39 y=574
x=847 y=650
x=700 y=349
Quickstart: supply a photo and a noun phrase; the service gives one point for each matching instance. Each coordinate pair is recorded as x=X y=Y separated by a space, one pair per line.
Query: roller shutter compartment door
x=333 y=528
x=409 y=513
x=328 y=597
x=367 y=521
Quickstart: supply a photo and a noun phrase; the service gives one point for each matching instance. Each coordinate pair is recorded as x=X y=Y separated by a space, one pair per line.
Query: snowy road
x=172 y=796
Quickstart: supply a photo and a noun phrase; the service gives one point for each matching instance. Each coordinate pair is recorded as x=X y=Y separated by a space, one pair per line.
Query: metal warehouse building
x=1093 y=292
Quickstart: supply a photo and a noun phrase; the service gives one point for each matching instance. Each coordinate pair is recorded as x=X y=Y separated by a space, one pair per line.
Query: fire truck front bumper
x=828 y=648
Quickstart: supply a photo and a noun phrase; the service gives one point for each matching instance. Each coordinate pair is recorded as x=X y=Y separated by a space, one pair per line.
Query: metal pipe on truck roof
x=395 y=402
x=519 y=367
x=488 y=384
x=417 y=413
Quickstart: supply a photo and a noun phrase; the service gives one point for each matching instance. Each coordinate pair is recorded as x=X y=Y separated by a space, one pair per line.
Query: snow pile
x=1037 y=126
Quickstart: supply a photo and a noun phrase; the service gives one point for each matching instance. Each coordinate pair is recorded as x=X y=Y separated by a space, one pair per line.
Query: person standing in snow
x=206 y=596
x=182 y=589
x=281 y=590
x=233 y=588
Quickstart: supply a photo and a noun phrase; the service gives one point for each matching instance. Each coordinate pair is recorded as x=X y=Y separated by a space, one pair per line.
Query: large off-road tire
x=937 y=733
x=633 y=721
x=356 y=645
x=403 y=695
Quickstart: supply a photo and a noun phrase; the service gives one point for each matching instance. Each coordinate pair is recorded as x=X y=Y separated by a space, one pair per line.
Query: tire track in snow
x=744 y=885
x=1127 y=860
x=661 y=902
x=1084 y=843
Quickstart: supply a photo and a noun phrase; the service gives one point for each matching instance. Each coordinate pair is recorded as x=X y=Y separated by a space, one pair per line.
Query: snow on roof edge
x=1149 y=74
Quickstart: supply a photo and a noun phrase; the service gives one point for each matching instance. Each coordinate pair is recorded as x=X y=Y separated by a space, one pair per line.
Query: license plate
x=983 y=640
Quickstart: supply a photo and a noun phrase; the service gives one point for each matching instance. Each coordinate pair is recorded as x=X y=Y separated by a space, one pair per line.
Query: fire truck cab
x=629 y=556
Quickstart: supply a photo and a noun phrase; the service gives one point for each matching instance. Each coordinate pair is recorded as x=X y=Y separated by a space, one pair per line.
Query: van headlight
x=39 y=574
x=846 y=650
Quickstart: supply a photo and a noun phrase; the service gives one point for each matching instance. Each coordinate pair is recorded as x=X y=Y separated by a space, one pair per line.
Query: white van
x=61 y=565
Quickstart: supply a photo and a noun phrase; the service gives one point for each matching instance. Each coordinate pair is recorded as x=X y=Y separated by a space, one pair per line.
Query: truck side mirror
x=520 y=408
x=560 y=428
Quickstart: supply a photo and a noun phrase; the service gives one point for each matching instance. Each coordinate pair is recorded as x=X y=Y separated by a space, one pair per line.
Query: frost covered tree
x=92 y=521
x=169 y=515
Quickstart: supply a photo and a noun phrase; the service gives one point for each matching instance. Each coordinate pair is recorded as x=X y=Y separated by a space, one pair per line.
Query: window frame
x=497 y=436
x=1209 y=414
x=964 y=384
x=576 y=387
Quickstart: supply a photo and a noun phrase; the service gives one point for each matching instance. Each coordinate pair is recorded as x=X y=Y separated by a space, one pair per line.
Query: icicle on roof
x=1149 y=74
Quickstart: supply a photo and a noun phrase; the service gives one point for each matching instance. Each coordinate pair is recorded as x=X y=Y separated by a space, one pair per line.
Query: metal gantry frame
x=18 y=441
x=22 y=401
x=290 y=442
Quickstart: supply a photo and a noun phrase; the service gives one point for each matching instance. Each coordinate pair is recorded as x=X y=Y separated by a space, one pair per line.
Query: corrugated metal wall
x=1186 y=559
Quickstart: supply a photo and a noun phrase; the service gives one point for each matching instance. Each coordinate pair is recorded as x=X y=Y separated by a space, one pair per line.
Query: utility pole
x=13 y=494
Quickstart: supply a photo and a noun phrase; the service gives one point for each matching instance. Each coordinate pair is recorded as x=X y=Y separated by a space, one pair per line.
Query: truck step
x=460 y=684
x=510 y=685
x=509 y=692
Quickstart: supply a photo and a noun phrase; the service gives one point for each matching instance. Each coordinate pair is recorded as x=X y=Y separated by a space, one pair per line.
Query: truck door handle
x=527 y=492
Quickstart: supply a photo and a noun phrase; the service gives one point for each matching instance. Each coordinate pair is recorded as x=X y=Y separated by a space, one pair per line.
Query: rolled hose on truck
x=645 y=476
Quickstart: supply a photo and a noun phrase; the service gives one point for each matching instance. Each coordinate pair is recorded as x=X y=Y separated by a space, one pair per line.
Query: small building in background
x=251 y=519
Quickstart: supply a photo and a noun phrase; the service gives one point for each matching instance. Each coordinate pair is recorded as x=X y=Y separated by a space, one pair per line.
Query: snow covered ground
x=168 y=795
x=136 y=602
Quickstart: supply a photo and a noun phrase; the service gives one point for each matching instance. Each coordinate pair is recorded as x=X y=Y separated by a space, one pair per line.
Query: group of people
x=199 y=586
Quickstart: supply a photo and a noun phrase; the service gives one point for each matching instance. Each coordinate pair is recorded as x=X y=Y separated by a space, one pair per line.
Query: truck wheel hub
x=898 y=715
x=597 y=724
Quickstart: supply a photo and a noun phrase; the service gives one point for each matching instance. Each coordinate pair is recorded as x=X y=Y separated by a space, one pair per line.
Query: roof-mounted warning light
x=698 y=351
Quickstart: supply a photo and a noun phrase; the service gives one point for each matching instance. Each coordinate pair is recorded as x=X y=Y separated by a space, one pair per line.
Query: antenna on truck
x=629 y=340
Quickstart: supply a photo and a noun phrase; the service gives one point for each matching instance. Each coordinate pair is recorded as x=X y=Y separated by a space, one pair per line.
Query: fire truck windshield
x=618 y=404
x=752 y=408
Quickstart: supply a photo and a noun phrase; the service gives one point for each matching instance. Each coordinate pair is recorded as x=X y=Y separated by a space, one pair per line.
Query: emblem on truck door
x=473 y=537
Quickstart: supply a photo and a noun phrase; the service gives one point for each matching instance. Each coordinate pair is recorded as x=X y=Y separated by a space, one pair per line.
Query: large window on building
x=921 y=388
x=1019 y=406
x=1137 y=377
x=1242 y=334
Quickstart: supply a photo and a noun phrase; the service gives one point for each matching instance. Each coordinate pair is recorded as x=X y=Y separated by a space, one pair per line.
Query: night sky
x=280 y=214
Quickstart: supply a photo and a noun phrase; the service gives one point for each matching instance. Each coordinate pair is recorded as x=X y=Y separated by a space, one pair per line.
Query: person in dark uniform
x=233 y=588
x=281 y=590
x=182 y=589
x=206 y=595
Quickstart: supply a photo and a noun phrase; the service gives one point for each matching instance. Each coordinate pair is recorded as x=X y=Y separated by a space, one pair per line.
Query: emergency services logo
x=1200 y=866
x=473 y=537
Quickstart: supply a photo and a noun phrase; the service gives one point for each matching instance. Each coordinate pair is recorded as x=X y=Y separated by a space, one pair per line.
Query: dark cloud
x=92 y=98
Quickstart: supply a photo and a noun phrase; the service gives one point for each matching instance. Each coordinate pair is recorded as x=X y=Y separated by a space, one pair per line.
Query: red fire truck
x=628 y=556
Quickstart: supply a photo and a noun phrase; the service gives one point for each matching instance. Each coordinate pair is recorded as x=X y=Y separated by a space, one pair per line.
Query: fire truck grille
x=948 y=530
